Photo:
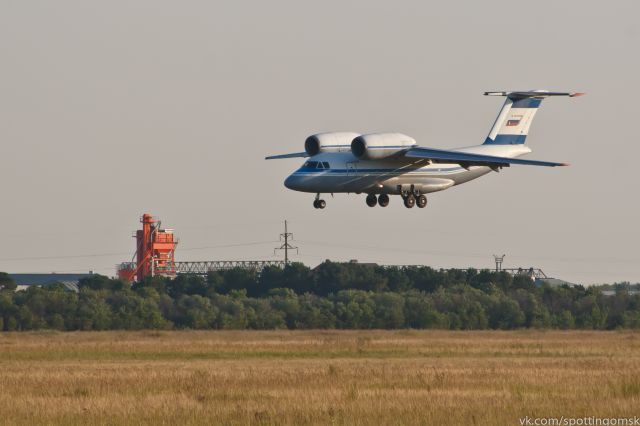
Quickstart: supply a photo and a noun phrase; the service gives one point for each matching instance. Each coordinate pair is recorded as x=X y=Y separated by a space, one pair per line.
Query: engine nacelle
x=329 y=142
x=380 y=145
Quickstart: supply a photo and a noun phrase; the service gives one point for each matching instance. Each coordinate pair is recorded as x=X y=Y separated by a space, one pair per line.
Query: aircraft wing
x=466 y=159
x=292 y=155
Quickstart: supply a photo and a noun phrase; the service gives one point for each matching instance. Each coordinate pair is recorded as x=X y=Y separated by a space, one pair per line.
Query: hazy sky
x=112 y=109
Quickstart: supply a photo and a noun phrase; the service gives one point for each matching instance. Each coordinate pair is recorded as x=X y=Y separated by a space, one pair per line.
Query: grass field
x=316 y=377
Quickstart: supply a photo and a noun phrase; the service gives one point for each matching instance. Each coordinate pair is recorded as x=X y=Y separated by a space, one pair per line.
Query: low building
x=69 y=281
x=553 y=282
x=630 y=292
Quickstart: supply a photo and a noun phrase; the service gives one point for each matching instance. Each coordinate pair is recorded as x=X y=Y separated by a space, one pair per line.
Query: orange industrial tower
x=155 y=248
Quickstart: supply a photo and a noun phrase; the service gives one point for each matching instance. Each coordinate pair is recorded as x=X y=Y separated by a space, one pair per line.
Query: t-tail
x=517 y=113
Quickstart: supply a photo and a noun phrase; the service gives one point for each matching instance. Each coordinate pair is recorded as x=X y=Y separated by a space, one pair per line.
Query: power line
x=74 y=256
x=256 y=243
x=78 y=256
x=392 y=249
x=471 y=254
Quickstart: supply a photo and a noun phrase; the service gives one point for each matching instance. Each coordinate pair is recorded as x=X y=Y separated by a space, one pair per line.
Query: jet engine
x=377 y=146
x=329 y=142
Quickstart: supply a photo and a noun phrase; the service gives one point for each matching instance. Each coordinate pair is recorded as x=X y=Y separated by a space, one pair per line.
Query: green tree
x=101 y=282
x=93 y=312
x=235 y=279
x=565 y=320
x=419 y=312
x=389 y=310
x=25 y=318
x=187 y=284
x=233 y=314
x=8 y=311
x=354 y=309
x=505 y=313
x=6 y=282
x=195 y=311
x=315 y=312
x=397 y=279
x=262 y=316
x=286 y=301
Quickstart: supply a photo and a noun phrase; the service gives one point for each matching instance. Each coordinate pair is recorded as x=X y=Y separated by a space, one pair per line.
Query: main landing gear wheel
x=372 y=200
x=383 y=200
x=409 y=201
x=421 y=201
x=319 y=204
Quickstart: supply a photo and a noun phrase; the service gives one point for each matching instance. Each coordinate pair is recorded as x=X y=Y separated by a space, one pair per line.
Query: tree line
x=330 y=296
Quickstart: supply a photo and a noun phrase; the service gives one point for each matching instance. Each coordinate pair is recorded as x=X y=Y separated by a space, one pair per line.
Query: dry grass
x=316 y=377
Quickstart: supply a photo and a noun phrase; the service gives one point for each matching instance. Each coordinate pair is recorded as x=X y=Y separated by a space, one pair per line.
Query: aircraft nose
x=291 y=182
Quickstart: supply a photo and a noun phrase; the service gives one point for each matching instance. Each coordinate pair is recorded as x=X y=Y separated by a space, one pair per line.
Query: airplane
x=384 y=164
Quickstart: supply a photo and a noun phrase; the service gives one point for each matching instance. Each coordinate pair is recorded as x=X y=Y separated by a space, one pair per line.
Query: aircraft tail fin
x=512 y=125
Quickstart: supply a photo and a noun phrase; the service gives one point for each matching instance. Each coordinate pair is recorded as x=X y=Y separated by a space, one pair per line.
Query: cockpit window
x=316 y=165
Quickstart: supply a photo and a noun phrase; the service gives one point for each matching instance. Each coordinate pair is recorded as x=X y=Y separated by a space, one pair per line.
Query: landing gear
x=318 y=203
x=421 y=201
x=382 y=200
x=409 y=201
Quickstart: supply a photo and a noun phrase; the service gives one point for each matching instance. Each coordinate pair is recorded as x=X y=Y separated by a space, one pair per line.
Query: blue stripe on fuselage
x=390 y=146
x=309 y=171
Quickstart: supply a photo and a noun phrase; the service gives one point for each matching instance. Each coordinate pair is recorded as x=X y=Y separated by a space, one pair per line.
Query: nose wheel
x=318 y=203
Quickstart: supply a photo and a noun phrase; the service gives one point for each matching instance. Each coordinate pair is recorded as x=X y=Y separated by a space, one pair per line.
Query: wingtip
x=565 y=164
x=576 y=94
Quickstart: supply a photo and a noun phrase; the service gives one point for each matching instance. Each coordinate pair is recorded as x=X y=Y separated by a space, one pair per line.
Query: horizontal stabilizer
x=292 y=155
x=466 y=159
x=533 y=94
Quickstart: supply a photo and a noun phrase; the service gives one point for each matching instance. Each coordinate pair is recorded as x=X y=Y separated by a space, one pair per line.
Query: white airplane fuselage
x=384 y=164
x=347 y=173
